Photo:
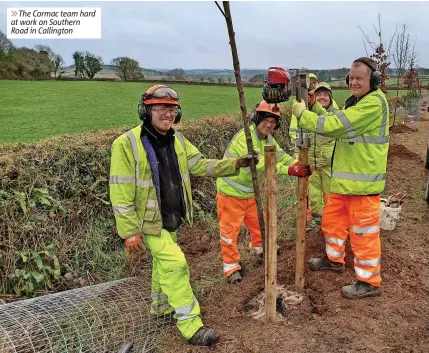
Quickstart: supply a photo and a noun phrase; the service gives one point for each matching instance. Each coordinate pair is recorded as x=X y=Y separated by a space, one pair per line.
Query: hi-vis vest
x=293 y=126
x=132 y=192
x=362 y=142
x=241 y=186
x=321 y=148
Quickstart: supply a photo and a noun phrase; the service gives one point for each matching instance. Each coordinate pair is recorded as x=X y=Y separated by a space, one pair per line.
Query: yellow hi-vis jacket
x=132 y=192
x=241 y=186
x=362 y=142
x=321 y=148
x=293 y=126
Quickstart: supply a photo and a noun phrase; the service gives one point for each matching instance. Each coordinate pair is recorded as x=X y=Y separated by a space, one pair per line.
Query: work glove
x=134 y=242
x=298 y=108
x=300 y=170
x=244 y=161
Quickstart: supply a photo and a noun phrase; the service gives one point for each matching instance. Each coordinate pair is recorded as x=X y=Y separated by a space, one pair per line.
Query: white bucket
x=389 y=215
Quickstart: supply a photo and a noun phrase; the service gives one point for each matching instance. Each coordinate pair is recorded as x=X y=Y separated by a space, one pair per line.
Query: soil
x=401 y=129
x=397 y=321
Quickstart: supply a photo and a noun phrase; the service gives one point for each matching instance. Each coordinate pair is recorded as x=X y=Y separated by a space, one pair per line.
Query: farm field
x=34 y=110
x=390 y=82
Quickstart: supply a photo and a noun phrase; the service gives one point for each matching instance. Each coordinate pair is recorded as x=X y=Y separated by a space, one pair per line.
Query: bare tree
x=401 y=58
x=381 y=52
x=374 y=45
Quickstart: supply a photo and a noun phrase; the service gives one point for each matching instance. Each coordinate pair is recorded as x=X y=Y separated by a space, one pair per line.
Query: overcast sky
x=318 y=35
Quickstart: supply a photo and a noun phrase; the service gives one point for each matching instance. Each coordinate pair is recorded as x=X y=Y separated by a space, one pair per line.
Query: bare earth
x=398 y=321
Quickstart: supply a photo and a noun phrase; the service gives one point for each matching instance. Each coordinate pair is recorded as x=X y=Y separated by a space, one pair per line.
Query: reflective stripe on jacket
x=132 y=192
x=241 y=186
x=362 y=141
x=293 y=126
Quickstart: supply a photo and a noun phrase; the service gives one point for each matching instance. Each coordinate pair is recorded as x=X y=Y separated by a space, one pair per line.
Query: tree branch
x=220 y=9
x=366 y=51
x=249 y=142
x=371 y=44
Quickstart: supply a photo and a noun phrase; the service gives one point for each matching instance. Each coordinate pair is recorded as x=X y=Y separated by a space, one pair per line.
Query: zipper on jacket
x=314 y=152
x=332 y=157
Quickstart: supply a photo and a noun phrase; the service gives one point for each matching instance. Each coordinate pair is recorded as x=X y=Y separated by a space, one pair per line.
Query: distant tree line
x=28 y=64
x=41 y=63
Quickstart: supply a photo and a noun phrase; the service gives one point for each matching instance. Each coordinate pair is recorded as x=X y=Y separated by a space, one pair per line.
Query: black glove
x=244 y=161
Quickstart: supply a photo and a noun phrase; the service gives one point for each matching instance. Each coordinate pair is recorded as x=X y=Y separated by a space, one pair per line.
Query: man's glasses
x=163 y=111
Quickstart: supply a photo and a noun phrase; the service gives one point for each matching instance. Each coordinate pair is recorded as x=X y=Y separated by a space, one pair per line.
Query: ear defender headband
x=375 y=79
x=257 y=116
x=160 y=95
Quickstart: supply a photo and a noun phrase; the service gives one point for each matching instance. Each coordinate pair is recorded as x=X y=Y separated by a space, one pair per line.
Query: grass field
x=34 y=110
x=392 y=81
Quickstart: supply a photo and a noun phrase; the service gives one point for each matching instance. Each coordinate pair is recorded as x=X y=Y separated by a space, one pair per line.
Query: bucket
x=389 y=215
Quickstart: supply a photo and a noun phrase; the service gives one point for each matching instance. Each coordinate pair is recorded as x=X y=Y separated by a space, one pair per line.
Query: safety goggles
x=164 y=93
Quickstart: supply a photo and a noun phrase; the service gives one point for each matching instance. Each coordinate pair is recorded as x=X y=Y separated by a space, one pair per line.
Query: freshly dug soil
x=397 y=321
x=401 y=128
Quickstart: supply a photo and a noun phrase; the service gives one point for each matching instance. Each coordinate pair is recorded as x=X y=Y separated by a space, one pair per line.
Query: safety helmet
x=265 y=110
x=158 y=94
x=311 y=75
x=323 y=86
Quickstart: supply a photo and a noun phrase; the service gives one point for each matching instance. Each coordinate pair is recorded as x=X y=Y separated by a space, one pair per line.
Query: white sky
x=317 y=35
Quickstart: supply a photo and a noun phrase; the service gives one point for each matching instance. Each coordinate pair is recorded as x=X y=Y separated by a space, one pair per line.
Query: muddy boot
x=260 y=259
x=204 y=337
x=235 y=277
x=317 y=218
x=360 y=290
x=167 y=319
x=324 y=264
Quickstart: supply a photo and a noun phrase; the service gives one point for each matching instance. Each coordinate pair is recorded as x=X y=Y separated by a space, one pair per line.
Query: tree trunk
x=239 y=83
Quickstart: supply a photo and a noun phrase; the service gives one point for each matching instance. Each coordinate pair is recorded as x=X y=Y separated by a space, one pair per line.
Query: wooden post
x=271 y=233
x=302 y=192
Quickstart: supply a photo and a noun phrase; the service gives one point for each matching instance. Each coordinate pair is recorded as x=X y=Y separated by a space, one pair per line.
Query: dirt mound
x=325 y=321
x=401 y=129
x=401 y=151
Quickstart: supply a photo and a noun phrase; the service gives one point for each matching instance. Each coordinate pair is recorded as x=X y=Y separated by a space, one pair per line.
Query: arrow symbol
x=14 y=13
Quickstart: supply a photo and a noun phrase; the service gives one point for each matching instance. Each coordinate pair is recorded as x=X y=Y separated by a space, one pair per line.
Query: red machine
x=278 y=87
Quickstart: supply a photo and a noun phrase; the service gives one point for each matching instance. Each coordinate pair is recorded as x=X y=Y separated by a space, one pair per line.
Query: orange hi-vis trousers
x=232 y=212
x=361 y=215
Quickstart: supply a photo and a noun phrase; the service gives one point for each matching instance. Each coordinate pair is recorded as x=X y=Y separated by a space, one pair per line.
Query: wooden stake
x=302 y=195
x=227 y=14
x=301 y=223
x=271 y=233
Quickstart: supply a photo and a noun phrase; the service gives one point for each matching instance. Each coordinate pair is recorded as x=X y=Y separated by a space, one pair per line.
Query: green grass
x=34 y=110
x=392 y=81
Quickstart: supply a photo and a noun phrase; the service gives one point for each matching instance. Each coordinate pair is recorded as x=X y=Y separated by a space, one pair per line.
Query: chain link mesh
x=413 y=111
x=94 y=319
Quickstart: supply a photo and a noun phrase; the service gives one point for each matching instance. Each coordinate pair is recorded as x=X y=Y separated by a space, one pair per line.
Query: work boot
x=235 y=277
x=311 y=225
x=260 y=259
x=204 y=337
x=360 y=290
x=317 y=218
x=323 y=264
x=167 y=319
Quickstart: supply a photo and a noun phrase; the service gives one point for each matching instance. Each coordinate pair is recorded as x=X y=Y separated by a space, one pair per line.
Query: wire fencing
x=93 y=319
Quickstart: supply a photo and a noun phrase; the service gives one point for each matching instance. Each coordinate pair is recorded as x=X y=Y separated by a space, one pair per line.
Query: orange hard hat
x=160 y=94
x=265 y=110
x=265 y=107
